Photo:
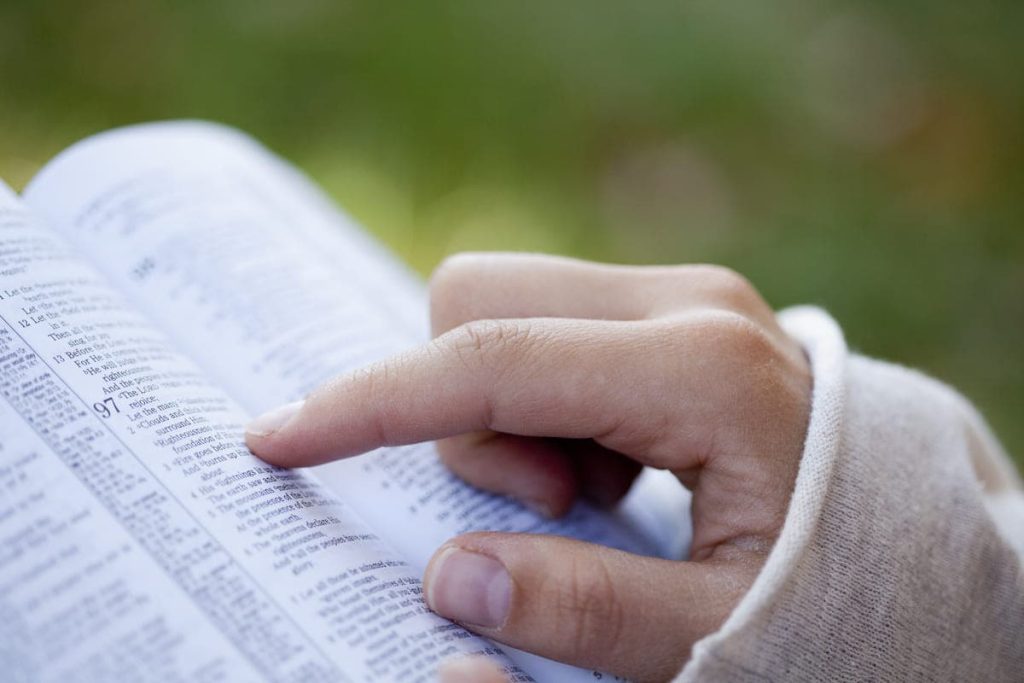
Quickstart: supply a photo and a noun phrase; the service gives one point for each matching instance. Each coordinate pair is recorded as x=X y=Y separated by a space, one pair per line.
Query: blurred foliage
x=862 y=156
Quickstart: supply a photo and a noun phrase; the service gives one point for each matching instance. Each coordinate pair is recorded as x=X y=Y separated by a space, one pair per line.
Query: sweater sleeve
x=901 y=554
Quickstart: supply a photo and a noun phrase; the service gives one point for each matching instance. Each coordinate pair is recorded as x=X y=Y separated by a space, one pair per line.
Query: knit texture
x=900 y=555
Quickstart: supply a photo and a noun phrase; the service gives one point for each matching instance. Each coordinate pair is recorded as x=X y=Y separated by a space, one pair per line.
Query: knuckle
x=732 y=289
x=765 y=379
x=484 y=341
x=448 y=286
x=739 y=338
x=589 y=610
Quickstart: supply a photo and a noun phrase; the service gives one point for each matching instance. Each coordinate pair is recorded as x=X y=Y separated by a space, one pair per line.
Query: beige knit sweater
x=901 y=556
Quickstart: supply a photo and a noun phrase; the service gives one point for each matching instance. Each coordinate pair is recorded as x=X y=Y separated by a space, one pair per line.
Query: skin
x=470 y=670
x=551 y=379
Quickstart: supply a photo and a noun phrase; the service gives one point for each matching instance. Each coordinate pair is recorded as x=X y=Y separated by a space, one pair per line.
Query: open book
x=160 y=285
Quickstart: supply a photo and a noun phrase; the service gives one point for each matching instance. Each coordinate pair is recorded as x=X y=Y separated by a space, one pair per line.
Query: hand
x=553 y=379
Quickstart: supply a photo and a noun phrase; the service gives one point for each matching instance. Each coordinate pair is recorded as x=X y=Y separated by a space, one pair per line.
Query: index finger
x=534 y=377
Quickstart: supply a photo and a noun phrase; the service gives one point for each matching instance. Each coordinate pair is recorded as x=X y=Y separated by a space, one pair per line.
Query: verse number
x=106 y=407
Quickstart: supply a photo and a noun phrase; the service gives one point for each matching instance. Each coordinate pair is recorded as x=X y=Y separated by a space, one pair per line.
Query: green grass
x=865 y=157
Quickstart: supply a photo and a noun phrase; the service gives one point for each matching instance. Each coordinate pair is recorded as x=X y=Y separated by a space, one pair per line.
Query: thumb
x=581 y=603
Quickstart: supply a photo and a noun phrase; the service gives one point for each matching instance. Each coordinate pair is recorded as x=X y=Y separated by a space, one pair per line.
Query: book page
x=272 y=291
x=140 y=540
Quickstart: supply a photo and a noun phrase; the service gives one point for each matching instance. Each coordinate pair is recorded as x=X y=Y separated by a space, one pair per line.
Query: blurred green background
x=867 y=157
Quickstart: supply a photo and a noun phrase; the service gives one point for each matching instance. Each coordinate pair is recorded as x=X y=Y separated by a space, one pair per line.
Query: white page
x=272 y=291
x=139 y=539
x=79 y=594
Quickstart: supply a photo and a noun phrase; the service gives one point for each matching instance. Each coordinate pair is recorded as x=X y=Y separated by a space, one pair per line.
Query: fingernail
x=469 y=587
x=273 y=420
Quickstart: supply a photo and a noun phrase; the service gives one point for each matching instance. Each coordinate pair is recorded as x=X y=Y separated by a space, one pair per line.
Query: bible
x=159 y=286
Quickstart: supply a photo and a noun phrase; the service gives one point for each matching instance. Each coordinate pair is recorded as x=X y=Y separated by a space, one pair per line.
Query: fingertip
x=545 y=508
x=262 y=434
x=551 y=497
x=274 y=420
x=472 y=669
x=468 y=586
x=261 y=448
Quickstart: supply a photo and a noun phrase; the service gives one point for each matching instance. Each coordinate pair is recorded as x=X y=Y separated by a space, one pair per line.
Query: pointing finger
x=542 y=377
